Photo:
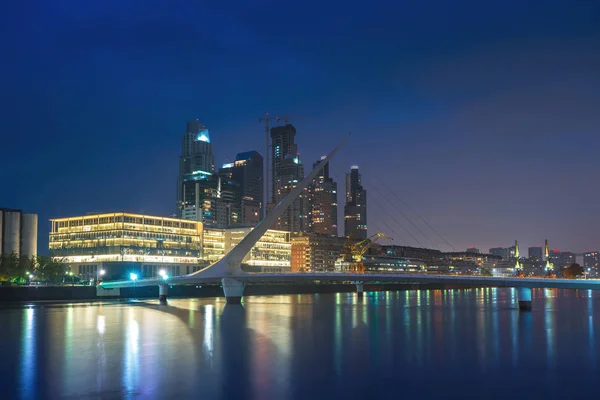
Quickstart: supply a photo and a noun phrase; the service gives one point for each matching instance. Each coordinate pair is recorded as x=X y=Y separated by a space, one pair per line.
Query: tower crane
x=354 y=251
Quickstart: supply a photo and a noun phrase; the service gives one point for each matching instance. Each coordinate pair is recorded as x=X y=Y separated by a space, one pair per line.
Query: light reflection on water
x=301 y=346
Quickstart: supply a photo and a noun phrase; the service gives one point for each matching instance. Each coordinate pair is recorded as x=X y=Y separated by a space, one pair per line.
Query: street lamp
x=133 y=276
x=162 y=272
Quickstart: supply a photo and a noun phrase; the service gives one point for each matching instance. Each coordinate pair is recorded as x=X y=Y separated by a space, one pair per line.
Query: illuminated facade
x=355 y=211
x=322 y=204
x=247 y=172
x=196 y=164
x=314 y=253
x=591 y=262
x=213 y=244
x=288 y=170
x=470 y=262
x=120 y=242
x=271 y=253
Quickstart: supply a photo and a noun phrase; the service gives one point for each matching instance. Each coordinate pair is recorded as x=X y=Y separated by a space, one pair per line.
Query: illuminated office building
x=322 y=204
x=355 y=211
x=288 y=170
x=120 y=243
x=271 y=253
x=247 y=173
x=315 y=253
x=196 y=165
x=213 y=248
x=591 y=262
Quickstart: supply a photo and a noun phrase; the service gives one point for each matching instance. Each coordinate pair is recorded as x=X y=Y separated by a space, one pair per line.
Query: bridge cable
x=398 y=222
x=393 y=231
x=418 y=216
x=435 y=246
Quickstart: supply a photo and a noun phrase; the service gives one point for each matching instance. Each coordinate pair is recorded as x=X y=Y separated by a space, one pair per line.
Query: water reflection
x=301 y=346
x=550 y=327
x=28 y=357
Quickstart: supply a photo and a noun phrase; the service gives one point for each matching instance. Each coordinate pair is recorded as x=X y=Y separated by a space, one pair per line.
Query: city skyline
x=469 y=140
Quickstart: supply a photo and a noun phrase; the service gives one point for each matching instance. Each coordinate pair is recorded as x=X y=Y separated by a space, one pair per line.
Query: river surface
x=471 y=344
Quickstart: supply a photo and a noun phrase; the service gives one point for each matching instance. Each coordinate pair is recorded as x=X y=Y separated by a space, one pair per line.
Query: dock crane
x=353 y=251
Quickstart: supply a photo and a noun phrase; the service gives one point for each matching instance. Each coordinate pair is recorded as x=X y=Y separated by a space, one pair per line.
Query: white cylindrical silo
x=29 y=233
x=11 y=238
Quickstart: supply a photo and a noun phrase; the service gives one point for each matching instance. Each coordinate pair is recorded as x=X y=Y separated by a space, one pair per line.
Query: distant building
x=414 y=253
x=355 y=211
x=287 y=172
x=122 y=243
x=473 y=250
x=315 y=253
x=503 y=268
x=555 y=259
x=535 y=253
x=247 y=172
x=322 y=203
x=566 y=258
x=466 y=258
x=18 y=233
x=196 y=163
x=591 y=261
x=500 y=251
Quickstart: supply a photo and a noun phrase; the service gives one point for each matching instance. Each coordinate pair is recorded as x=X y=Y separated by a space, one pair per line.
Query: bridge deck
x=371 y=278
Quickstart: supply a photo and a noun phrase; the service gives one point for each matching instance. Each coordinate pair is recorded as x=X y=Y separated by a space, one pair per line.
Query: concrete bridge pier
x=163 y=290
x=359 y=289
x=524 y=297
x=233 y=290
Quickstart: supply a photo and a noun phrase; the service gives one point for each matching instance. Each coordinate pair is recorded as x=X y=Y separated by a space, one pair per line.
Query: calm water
x=414 y=344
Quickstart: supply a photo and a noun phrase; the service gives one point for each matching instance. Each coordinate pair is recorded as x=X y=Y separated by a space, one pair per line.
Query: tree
x=15 y=269
x=573 y=271
x=50 y=270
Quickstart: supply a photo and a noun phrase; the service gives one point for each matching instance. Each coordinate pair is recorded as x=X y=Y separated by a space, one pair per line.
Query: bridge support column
x=359 y=289
x=233 y=290
x=163 y=290
x=524 y=297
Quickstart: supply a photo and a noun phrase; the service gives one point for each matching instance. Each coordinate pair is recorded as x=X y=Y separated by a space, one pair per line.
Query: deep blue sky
x=483 y=116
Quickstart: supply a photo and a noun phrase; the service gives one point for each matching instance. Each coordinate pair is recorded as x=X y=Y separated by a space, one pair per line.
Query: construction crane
x=266 y=119
x=285 y=119
x=353 y=252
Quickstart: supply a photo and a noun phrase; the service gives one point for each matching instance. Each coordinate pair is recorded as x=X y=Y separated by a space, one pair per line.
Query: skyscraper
x=322 y=203
x=196 y=166
x=247 y=172
x=287 y=172
x=355 y=211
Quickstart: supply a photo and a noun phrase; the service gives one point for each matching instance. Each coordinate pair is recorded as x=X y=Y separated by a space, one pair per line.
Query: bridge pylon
x=524 y=298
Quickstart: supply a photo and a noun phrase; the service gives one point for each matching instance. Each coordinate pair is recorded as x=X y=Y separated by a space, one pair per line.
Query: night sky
x=484 y=117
